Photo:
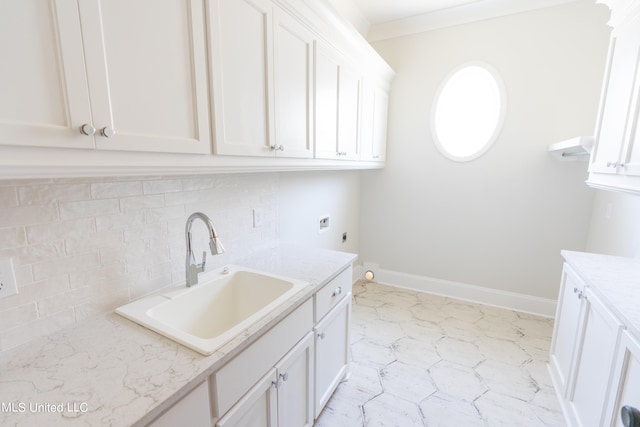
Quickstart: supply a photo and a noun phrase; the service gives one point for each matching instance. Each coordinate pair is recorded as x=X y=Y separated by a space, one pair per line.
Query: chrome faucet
x=192 y=269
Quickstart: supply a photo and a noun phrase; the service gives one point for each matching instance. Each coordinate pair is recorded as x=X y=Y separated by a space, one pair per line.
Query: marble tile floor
x=424 y=360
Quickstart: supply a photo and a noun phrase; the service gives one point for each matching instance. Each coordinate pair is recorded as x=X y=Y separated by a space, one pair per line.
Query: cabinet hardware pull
x=321 y=335
x=630 y=416
x=284 y=376
x=276 y=383
x=107 y=132
x=87 y=129
x=575 y=290
x=337 y=292
x=277 y=147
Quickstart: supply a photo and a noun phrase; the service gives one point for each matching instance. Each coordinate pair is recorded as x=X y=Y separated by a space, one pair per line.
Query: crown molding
x=466 y=13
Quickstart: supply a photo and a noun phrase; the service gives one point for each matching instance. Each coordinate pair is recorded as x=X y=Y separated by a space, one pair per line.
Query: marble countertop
x=111 y=371
x=615 y=279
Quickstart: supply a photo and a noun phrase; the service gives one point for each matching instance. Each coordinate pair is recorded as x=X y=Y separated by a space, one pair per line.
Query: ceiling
x=383 y=19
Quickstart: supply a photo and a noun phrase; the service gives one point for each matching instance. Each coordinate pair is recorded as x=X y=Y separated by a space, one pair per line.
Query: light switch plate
x=8 y=284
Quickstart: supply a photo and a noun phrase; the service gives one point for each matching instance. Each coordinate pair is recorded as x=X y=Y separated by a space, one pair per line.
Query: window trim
x=501 y=119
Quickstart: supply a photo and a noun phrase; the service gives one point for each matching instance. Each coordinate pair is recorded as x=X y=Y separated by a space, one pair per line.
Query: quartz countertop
x=111 y=371
x=614 y=279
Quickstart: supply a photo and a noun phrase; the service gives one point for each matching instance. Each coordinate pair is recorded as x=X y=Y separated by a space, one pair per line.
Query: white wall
x=615 y=224
x=500 y=221
x=306 y=196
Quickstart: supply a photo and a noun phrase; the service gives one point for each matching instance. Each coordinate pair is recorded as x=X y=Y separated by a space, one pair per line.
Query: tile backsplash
x=82 y=247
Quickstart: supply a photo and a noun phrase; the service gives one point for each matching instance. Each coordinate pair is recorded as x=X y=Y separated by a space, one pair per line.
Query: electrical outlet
x=257 y=217
x=325 y=222
x=8 y=284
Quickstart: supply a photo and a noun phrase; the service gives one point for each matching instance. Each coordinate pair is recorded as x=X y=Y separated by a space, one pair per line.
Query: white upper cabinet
x=262 y=80
x=147 y=76
x=293 y=86
x=327 y=77
x=113 y=87
x=44 y=97
x=337 y=105
x=241 y=67
x=374 y=122
x=615 y=161
x=127 y=81
x=349 y=105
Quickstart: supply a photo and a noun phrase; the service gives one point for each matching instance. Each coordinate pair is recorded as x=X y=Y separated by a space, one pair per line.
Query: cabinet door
x=349 y=113
x=624 y=390
x=565 y=328
x=293 y=89
x=593 y=362
x=241 y=64
x=44 y=98
x=192 y=410
x=375 y=104
x=327 y=76
x=258 y=408
x=613 y=123
x=147 y=77
x=295 y=385
x=331 y=352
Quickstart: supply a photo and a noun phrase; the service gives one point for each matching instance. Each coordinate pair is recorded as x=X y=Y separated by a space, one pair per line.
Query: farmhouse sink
x=206 y=316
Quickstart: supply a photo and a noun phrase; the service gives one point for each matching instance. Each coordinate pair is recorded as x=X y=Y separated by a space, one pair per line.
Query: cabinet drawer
x=332 y=293
x=234 y=379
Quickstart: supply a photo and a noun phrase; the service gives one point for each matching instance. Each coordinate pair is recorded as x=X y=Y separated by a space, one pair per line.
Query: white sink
x=206 y=316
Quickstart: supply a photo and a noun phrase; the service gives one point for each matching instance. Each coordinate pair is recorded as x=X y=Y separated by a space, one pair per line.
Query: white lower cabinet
x=626 y=376
x=295 y=386
x=191 y=410
x=282 y=397
x=593 y=363
x=332 y=352
x=584 y=350
x=257 y=408
x=286 y=377
x=565 y=328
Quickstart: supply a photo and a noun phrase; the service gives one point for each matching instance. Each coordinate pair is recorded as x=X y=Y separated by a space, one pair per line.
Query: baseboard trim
x=462 y=291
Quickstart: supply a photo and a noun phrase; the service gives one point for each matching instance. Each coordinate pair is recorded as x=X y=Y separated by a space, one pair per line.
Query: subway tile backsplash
x=82 y=247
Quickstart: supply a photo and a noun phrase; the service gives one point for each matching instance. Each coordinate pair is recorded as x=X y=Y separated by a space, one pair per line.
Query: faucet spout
x=191 y=267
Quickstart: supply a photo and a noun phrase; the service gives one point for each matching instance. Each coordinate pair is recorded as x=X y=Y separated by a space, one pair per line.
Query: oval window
x=468 y=112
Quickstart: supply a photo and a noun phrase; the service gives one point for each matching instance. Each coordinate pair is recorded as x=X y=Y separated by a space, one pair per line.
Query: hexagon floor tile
x=426 y=360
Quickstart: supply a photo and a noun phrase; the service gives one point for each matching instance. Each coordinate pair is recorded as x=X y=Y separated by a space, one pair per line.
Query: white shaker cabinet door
x=617 y=122
x=349 y=105
x=147 y=74
x=566 y=328
x=258 y=408
x=375 y=105
x=327 y=78
x=626 y=377
x=331 y=352
x=44 y=99
x=295 y=385
x=293 y=87
x=594 y=359
x=241 y=34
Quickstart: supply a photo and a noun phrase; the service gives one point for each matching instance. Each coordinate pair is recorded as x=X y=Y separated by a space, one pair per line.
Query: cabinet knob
x=575 y=290
x=277 y=147
x=284 y=376
x=341 y=153
x=321 y=335
x=630 y=416
x=87 y=129
x=107 y=132
x=337 y=291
